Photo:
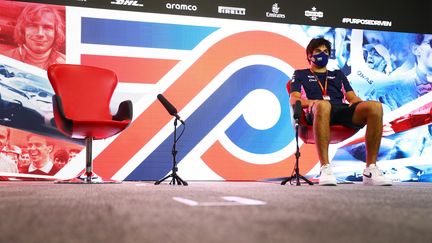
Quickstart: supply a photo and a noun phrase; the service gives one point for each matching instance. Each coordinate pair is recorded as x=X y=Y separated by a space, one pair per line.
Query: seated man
x=326 y=91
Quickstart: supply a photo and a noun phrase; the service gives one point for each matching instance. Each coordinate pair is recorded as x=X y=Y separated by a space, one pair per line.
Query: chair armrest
x=125 y=111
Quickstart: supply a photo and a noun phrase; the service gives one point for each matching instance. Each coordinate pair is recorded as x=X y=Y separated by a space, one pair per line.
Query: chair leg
x=89 y=159
x=88 y=177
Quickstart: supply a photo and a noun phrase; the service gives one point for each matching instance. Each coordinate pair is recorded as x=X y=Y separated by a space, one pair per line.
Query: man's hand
x=311 y=104
x=355 y=100
x=352 y=97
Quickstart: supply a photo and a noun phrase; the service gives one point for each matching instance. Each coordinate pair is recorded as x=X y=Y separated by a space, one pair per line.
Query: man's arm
x=352 y=97
x=295 y=89
x=294 y=96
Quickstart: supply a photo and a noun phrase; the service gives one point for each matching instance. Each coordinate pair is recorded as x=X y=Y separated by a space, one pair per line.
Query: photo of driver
x=32 y=154
x=38 y=34
x=40 y=150
x=378 y=58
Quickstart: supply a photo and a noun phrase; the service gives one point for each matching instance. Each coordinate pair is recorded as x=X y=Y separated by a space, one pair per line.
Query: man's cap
x=383 y=52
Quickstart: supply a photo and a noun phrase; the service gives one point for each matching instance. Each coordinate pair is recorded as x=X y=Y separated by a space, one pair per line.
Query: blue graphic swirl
x=214 y=109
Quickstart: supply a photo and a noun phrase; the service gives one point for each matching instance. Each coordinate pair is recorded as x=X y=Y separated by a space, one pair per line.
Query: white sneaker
x=326 y=176
x=372 y=176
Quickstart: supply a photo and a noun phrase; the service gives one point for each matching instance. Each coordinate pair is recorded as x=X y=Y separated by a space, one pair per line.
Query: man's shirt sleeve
x=346 y=84
x=296 y=82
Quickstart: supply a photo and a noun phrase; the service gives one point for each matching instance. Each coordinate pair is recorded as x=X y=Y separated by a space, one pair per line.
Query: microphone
x=297 y=110
x=169 y=107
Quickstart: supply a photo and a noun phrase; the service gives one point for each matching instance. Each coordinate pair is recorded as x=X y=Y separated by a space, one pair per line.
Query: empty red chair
x=81 y=107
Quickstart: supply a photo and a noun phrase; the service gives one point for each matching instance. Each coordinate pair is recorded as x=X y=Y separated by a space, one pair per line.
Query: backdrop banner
x=224 y=67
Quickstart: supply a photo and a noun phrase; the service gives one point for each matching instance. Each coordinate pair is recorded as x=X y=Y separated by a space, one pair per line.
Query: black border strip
x=387 y=15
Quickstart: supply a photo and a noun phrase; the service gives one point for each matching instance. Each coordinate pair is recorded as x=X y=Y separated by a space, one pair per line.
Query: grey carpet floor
x=142 y=212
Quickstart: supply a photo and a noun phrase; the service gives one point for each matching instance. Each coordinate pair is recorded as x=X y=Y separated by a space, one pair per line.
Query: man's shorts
x=340 y=114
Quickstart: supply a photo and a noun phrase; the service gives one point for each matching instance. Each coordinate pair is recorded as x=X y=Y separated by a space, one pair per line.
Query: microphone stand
x=297 y=176
x=176 y=180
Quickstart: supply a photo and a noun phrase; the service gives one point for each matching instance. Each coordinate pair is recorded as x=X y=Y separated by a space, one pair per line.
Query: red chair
x=338 y=133
x=81 y=108
x=304 y=131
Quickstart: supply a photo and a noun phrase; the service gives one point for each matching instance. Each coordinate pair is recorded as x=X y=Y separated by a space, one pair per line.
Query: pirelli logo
x=231 y=10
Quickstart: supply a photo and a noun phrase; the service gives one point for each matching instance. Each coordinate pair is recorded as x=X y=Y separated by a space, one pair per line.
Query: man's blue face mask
x=320 y=59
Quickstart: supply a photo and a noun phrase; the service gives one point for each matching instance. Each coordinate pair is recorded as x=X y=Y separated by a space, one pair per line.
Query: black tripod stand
x=296 y=172
x=176 y=180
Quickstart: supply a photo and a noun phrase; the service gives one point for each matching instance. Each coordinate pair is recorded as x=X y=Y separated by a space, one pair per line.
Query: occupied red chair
x=304 y=131
x=81 y=108
x=338 y=133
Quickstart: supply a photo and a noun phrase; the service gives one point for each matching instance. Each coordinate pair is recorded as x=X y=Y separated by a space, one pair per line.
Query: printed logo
x=366 y=22
x=127 y=3
x=311 y=78
x=184 y=7
x=314 y=14
x=231 y=10
x=368 y=176
x=275 y=12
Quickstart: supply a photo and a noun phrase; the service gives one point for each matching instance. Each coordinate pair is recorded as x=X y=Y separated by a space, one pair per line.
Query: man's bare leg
x=371 y=114
x=321 y=130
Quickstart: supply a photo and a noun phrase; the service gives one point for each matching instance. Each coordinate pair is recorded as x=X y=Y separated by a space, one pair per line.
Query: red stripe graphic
x=132 y=69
